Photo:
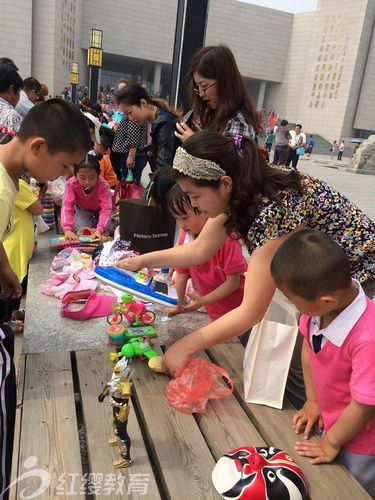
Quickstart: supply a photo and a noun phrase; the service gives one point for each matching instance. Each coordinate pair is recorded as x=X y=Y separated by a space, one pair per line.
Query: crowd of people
x=209 y=171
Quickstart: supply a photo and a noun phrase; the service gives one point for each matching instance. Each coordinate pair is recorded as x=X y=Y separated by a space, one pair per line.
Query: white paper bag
x=269 y=352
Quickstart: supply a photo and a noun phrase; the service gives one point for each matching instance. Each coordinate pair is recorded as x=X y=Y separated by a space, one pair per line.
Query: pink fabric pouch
x=94 y=305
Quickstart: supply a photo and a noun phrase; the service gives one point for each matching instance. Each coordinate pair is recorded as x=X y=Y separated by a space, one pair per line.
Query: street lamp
x=74 y=79
x=94 y=61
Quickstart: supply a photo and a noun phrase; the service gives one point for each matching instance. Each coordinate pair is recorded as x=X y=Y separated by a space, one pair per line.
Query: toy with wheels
x=135 y=312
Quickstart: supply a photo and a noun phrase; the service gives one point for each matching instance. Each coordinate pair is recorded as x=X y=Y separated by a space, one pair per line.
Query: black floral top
x=319 y=207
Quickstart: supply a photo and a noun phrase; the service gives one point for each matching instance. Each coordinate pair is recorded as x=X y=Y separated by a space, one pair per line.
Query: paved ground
x=358 y=188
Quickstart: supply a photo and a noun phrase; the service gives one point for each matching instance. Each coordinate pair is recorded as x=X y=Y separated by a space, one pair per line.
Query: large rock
x=364 y=157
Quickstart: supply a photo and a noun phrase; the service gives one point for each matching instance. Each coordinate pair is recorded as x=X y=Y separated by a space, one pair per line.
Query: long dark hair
x=252 y=176
x=218 y=63
x=133 y=93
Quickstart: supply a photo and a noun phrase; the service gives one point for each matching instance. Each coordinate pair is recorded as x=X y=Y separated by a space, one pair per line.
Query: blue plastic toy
x=139 y=284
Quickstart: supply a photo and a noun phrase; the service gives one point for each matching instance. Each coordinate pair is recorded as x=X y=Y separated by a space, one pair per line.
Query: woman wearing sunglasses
x=218 y=95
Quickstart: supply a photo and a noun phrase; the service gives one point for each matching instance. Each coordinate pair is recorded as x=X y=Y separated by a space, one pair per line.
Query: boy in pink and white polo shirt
x=338 y=355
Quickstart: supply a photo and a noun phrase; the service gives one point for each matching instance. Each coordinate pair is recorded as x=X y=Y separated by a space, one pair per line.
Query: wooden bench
x=173 y=453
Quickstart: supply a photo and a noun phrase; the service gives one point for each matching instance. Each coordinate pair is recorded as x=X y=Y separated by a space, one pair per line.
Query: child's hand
x=175 y=310
x=176 y=358
x=308 y=415
x=98 y=234
x=70 y=235
x=321 y=452
x=196 y=303
x=10 y=285
x=131 y=263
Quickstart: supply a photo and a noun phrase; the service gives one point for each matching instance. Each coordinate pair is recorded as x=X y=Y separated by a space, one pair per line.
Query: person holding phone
x=220 y=101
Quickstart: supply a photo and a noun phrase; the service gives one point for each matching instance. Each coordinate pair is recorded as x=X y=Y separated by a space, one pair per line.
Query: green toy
x=136 y=347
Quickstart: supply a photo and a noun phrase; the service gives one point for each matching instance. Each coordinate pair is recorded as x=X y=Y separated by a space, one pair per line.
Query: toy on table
x=258 y=474
x=118 y=334
x=141 y=348
x=48 y=214
x=141 y=284
x=135 y=312
x=118 y=389
x=85 y=244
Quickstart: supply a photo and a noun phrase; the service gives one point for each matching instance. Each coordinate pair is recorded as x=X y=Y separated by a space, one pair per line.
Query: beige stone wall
x=258 y=37
x=321 y=88
x=43 y=40
x=15 y=33
x=140 y=29
x=365 y=115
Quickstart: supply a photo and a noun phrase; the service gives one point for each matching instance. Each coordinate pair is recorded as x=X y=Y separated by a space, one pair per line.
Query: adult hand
x=131 y=263
x=321 y=452
x=130 y=161
x=195 y=304
x=308 y=415
x=176 y=358
x=183 y=131
x=70 y=235
x=10 y=285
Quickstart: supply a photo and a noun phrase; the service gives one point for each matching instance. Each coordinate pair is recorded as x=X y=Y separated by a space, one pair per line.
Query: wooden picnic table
x=173 y=453
x=63 y=430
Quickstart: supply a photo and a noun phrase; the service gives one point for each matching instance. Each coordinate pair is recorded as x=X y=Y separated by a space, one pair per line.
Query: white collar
x=337 y=331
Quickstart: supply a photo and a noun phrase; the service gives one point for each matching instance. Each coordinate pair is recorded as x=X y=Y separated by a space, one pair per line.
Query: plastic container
x=161 y=312
x=163 y=275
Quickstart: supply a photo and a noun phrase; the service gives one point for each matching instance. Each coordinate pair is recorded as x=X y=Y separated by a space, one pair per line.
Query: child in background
x=220 y=280
x=338 y=353
x=87 y=201
x=333 y=150
x=106 y=169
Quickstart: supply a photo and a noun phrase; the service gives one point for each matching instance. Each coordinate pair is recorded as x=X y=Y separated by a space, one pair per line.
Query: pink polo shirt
x=210 y=275
x=344 y=372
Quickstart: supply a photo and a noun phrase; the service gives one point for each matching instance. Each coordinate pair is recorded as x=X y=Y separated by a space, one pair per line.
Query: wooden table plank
x=332 y=480
x=226 y=426
x=183 y=459
x=94 y=371
x=49 y=425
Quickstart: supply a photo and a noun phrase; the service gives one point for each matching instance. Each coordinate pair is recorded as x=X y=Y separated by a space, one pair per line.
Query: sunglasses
x=198 y=91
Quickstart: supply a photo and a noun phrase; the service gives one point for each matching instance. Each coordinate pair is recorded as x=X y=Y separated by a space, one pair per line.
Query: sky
x=286 y=5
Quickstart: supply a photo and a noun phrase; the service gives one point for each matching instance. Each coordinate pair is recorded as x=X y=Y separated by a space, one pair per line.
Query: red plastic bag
x=199 y=382
x=126 y=190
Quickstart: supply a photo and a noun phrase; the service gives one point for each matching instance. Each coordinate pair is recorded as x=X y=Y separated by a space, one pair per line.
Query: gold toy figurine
x=118 y=390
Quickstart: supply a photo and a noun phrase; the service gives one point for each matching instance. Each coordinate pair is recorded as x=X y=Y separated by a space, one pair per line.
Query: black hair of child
x=178 y=201
x=161 y=183
x=91 y=162
x=310 y=264
x=60 y=123
x=105 y=142
x=9 y=76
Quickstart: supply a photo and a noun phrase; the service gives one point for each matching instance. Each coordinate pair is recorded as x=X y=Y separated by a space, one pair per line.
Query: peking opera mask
x=258 y=474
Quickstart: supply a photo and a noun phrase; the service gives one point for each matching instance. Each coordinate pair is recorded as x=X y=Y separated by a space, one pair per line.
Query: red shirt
x=210 y=275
